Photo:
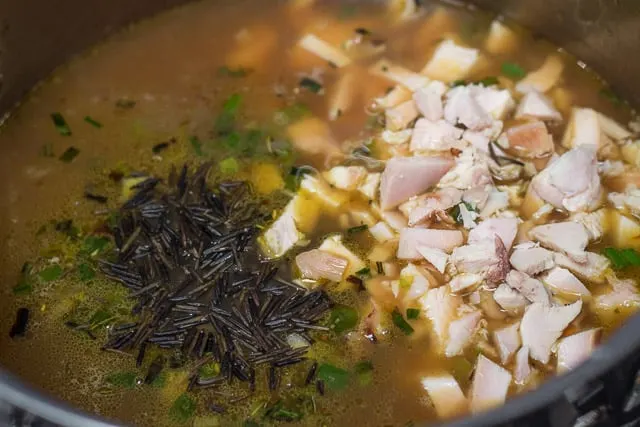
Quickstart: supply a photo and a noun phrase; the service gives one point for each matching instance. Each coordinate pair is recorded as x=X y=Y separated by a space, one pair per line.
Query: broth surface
x=178 y=68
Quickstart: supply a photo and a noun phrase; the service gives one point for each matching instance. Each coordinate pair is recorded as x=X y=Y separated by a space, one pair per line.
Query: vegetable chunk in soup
x=324 y=213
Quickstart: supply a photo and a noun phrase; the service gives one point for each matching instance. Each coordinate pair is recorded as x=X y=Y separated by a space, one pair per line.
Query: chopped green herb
x=379 y=267
x=51 y=273
x=364 y=272
x=622 y=258
x=47 y=150
x=122 y=379
x=67 y=228
x=279 y=413
x=512 y=70
x=489 y=81
x=86 y=272
x=413 y=313
x=250 y=423
x=197 y=145
x=460 y=82
x=100 y=318
x=24 y=285
x=357 y=229
x=182 y=409
x=310 y=84
x=160 y=381
x=294 y=177
x=61 y=124
x=69 y=154
x=406 y=281
x=227 y=118
x=454 y=212
x=93 y=122
x=93 y=245
x=399 y=321
x=291 y=114
x=234 y=72
x=229 y=166
x=364 y=372
x=232 y=140
x=609 y=94
x=209 y=370
x=343 y=318
x=125 y=104
x=333 y=377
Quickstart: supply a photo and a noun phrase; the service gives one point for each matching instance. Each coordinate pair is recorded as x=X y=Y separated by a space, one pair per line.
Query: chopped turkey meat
x=507 y=340
x=543 y=324
x=576 y=348
x=530 y=140
x=316 y=264
x=488 y=257
x=436 y=257
x=490 y=385
x=532 y=289
x=412 y=238
x=568 y=237
x=508 y=298
x=435 y=136
x=461 y=332
x=505 y=228
x=563 y=282
x=404 y=177
x=440 y=307
x=592 y=270
x=531 y=259
x=446 y=395
x=522 y=368
x=537 y=106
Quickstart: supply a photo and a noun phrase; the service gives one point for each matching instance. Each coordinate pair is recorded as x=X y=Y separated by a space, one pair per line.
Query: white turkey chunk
x=507 y=341
x=588 y=127
x=508 y=298
x=399 y=74
x=419 y=280
x=594 y=222
x=440 y=307
x=592 y=270
x=316 y=264
x=431 y=206
x=461 y=332
x=282 y=235
x=542 y=325
x=463 y=108
x=529 y=140
x=571 y=181
x=346 y=177
x=446 y=395
x=399 y=117
x=623 y=293
x=405 y=177
x=470 y=170
x=537 y=106
x=575 y=349
x=490 y=385
x=568 y=237
x=563 y=282
x=498 y=103
x=630 y=199
x=532 y=289
x=465 y=282
x=334 y=245
x=450 y=62
x=504 y=228
x=370 y=185
x=436 y=257
x=438 y=135
x=487 y=257
x=396 y=137
x=522 y=368
x=413 y=238
x=428 y=99
x=531 y=259
x=544 y=78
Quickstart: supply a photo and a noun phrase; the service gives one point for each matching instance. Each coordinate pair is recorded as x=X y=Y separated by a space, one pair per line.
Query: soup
x=325 y=213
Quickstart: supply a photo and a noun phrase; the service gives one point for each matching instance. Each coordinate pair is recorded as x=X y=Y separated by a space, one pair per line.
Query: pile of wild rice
x=188 y=253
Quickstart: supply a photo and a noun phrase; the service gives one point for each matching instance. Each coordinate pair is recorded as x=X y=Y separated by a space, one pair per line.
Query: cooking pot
x=38 y=35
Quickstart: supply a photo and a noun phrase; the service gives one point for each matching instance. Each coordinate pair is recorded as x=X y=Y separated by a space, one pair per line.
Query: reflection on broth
x=441 y=212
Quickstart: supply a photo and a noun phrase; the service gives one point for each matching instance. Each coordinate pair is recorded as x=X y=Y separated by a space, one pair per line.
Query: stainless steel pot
x=38 y=35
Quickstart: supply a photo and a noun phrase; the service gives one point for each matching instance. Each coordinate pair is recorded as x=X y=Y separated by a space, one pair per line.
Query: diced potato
x=625 y=231
x=254 y=46
x=346 y=177
x=382 y=232
x=501 y=39
x=451 y=62
x=399 y=117
x=334 y=245
x=306 y=211
x=383 y=252
x=394 y=97
x=398 y=74
x=613 y=129
x=370 y=185
x=317 y=187
x=324 y=50
x=313 y=136
x=544 y=78
x=562 y=99
x=343 y=96
x=266 y=178
x=281 y=236
x=531 y=203
x=362 y=216
x=631 y=153
x=402 y=10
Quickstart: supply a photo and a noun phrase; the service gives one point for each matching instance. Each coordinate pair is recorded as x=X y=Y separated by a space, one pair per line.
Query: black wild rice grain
x=320 y=387
x=19 y=328
x=189 y=255
x=311 y=375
